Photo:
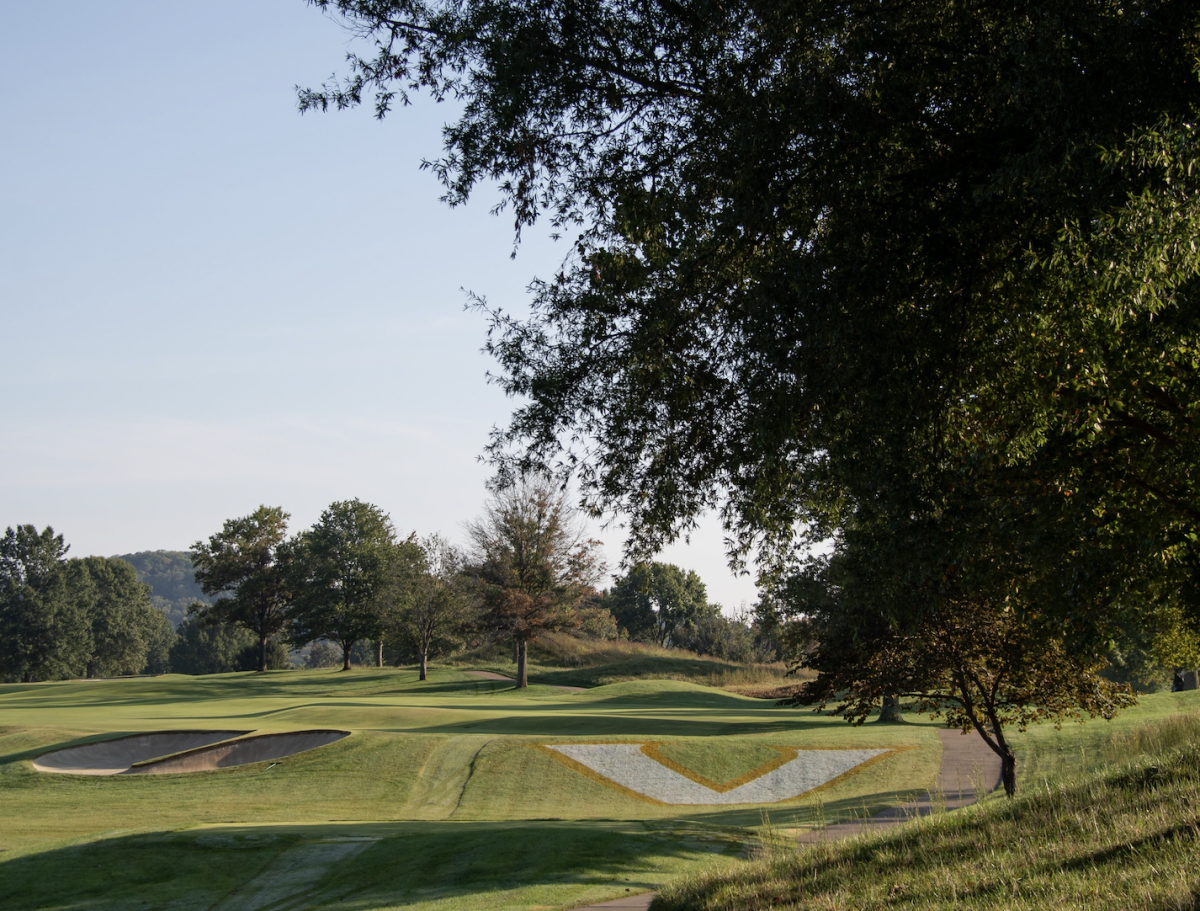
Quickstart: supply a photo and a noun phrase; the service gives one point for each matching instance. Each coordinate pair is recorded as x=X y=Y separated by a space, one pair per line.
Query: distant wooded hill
x=169 y=575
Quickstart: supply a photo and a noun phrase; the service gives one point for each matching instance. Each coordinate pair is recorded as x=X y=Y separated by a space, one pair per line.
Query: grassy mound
x=1122 y=835
x=558 y=659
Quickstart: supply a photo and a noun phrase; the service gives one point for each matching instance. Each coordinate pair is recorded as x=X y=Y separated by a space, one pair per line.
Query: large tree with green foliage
x=340 y=567
x=533 y=563
x=831 y=254
x=950 y=614
x=45 y=630
x=244 y=564
x=124 y=624
x=654 y=600
x=438 y=605
x=901 y=275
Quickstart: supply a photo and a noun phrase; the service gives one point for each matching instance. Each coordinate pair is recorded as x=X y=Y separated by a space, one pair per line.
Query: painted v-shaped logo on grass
x=785 y=755
x=641 y=770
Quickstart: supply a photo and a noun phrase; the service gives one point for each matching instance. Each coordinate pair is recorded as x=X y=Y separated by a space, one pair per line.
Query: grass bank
x=558 y=659
x=1109 y=818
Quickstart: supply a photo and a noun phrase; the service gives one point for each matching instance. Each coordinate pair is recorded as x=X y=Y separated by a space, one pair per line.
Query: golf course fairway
x=456 y=792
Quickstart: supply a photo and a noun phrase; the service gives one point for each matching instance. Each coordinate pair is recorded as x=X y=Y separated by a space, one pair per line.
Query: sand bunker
x=180 y=751
x=113 y=757
x=263 y=748
x=635 y=767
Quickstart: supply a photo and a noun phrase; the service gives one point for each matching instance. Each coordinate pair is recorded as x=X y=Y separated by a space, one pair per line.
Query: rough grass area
x=563 y=660
x=1119 y=828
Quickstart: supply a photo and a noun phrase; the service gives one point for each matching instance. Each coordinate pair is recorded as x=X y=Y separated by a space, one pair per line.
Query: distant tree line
x=62 y=617
x=350 y=589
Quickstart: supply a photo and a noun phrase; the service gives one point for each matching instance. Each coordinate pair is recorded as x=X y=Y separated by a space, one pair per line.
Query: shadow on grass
x=542 y=862
x=671 y=667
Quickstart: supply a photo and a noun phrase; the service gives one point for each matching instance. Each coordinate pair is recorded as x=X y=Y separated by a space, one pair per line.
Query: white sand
x=625 y=764
x=180 y=751
x=248 y=750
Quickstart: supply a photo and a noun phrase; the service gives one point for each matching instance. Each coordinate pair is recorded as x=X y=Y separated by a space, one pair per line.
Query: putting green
x=435 y=763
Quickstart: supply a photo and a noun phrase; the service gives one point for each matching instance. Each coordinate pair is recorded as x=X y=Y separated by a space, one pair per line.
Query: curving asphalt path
x=966 y=759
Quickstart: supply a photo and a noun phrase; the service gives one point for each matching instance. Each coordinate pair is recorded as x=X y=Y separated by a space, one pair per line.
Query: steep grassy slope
x=1108 y=819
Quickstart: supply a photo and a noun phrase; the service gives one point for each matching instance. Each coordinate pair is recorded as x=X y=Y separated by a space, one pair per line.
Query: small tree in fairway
x=532 y=563
x=439 y=603
x=245 y=563
x=968 y=646
x=393 y=599
x=340 y=568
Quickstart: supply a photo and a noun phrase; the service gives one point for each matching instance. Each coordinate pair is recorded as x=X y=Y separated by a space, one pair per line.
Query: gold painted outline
x=590 y=773
x=587 y=772
x=786 y=755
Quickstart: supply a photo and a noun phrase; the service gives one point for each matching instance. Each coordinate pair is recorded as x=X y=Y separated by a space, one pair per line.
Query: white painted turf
x=626 y=765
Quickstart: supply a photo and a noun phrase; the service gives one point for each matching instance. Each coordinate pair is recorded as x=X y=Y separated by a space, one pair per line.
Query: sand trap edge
x=118 y=765
x=240 y=752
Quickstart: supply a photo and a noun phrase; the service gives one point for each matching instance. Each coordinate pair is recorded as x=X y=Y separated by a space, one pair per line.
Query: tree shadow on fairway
x=806 y=812
x=466 y=864
x=665 y=723
x=243 y=685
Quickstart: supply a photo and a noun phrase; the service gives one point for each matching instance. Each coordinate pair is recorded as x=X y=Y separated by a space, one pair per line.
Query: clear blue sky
x=209 y=301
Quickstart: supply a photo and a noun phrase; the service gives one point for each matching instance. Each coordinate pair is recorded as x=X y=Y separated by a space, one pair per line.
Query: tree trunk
x=522 y=670
x=1008 y=772
x=516 y=651
x=262 y=652
x=424 y=662
x=1008 y=759
x=346 y=649
x=379 y=653
x=889 y=713
x=91 y=669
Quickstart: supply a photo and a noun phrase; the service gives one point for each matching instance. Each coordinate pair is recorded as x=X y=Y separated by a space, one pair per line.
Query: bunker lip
x=118 y=755
x=244 y=751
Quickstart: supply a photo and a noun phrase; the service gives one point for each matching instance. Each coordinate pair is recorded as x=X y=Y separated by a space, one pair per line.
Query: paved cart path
x=967 y=761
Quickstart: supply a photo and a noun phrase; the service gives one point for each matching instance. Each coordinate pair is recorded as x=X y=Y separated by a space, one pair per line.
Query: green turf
x=441 y=781
x=440 y=797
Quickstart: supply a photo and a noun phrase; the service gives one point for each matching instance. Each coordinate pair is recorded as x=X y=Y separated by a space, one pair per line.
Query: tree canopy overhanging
x=821 y=252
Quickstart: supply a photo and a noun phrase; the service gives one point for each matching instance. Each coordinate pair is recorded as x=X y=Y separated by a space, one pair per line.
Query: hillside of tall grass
x=564 y=660
x=1117 y=829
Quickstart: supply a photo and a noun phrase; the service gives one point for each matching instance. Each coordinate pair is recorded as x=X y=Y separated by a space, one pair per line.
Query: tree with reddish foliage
x=532 y=563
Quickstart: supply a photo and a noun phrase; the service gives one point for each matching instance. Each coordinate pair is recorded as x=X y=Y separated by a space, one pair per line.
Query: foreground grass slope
x=1113 y=824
